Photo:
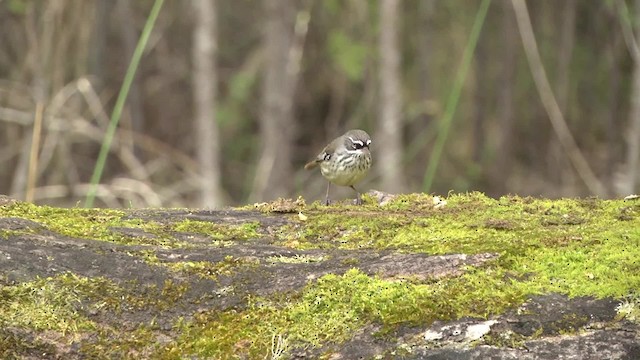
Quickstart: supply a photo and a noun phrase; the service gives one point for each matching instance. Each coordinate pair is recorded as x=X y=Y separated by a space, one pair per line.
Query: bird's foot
x=358 y=200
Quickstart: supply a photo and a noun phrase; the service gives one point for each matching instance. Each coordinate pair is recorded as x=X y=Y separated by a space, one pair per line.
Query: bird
x=345 y=161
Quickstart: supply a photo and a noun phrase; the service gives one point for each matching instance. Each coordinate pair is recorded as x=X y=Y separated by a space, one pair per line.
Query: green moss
x=54 y=303
x=351 y=261
x=203 y=269
x=6 y=234
x=575 y=247
x=629 y=308
x=211 y=270
x=407 y=202
x=15 y=346
x=507 y=339
x=44 y=316
x=96 y=224
x=44 y=304
x=578 y=247
x=336 y=306
x=60 y=303
x=279 y=206
x=347 y=230
x=80 y=223
x=317 y=317
x=109 y=343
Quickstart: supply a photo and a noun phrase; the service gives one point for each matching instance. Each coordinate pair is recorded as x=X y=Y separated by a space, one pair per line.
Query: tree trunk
x=560 y=168
x=204 y=91
x=283 y=39
x=504 y=154
x=613 y=146
x=415 y=127
x=633 y=135
x=389 y=139
x=98 y=42
x=426 y=13
x=565 y=52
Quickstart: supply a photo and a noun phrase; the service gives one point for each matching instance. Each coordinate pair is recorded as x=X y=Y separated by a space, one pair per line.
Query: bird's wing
x=324 y=155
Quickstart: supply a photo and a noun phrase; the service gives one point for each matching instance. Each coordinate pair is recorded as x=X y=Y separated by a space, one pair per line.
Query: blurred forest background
x=232 y=97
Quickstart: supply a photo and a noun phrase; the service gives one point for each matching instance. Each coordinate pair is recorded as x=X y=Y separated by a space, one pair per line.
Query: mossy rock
x=409 y=276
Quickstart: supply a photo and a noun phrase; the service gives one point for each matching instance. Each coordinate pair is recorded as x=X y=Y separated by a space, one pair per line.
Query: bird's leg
x=358 y=198
x=326 y=199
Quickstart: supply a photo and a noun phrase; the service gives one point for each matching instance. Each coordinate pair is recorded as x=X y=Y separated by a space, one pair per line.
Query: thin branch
x=627 y=30
x=35 y=150
x=549 y=102
x=297 y=44
x=84 y=128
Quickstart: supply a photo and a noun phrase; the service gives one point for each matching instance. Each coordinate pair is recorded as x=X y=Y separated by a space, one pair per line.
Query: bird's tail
x=311 y=164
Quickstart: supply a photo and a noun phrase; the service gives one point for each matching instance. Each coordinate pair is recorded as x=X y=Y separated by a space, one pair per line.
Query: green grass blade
x=122 y=97
x=454 y=97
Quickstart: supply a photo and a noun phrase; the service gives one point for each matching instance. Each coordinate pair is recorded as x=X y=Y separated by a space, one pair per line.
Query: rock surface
x=549 y=326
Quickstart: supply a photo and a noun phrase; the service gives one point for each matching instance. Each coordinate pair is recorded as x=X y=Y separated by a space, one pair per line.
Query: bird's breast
x=346 y=169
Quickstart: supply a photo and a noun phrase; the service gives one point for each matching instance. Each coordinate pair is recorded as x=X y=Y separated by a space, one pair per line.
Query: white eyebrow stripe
x=356 y=141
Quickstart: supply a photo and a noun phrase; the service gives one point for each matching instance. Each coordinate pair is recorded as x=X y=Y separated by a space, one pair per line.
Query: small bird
x=345 y=161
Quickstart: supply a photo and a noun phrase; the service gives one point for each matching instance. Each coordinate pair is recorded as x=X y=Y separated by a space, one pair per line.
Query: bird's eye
x=357 y=144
